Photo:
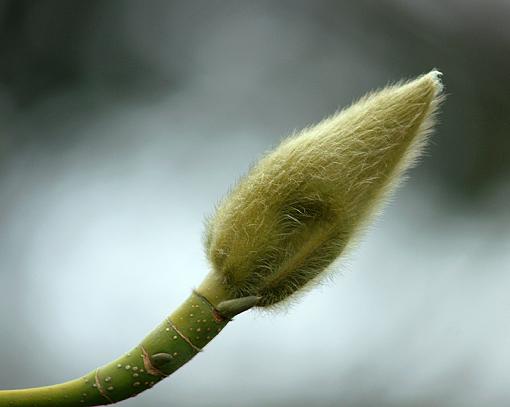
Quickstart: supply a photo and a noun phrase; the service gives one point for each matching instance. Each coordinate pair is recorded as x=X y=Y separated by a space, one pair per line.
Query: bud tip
x=436 y=76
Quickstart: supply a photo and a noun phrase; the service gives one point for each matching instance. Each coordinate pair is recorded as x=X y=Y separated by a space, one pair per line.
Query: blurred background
x=123 y=122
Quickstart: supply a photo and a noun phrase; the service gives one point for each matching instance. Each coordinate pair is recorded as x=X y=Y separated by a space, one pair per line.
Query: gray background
x=123 y=123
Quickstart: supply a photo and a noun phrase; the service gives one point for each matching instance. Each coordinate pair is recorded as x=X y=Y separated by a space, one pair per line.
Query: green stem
x=168 y=347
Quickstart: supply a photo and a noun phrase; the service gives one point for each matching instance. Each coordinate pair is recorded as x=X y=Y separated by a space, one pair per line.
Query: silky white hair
x=299 y=207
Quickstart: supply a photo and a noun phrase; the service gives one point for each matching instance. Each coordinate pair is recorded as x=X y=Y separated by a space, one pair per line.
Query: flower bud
x=297 y=209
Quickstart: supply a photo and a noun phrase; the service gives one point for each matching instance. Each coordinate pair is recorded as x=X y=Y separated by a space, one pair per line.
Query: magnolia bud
x=297 y=209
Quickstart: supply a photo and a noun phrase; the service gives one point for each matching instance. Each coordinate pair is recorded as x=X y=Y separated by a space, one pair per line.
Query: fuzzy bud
x=297 y=209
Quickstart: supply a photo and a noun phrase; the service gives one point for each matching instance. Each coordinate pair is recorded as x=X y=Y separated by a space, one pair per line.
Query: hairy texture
x=297 y=209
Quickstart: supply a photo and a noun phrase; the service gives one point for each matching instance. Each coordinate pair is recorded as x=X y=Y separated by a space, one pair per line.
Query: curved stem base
x=169 y=346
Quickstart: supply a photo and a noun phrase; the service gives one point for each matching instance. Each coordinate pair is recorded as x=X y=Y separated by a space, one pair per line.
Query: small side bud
x=161 y=359
x=298 y=208
x=230 y=308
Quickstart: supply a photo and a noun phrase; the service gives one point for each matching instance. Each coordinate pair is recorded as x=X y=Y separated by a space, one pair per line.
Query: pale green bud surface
x=298 y=208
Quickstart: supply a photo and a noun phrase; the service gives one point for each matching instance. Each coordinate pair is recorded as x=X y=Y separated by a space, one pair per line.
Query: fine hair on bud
x=298 y=208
